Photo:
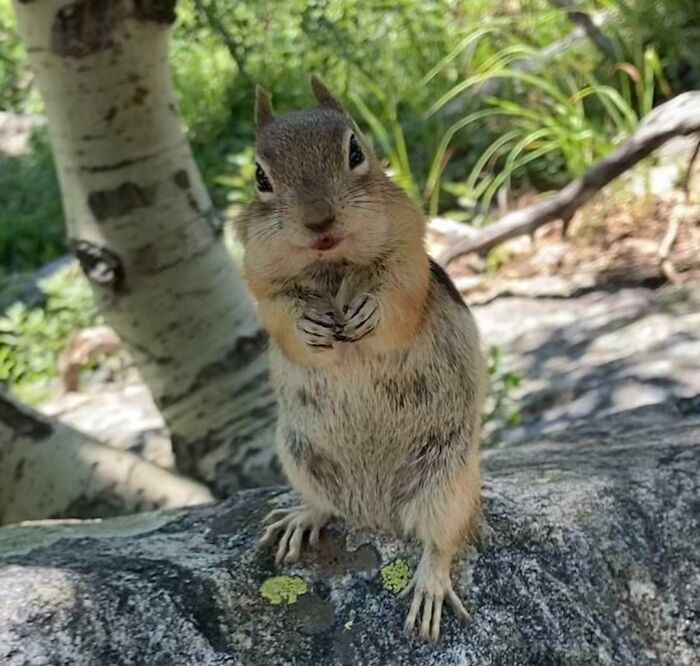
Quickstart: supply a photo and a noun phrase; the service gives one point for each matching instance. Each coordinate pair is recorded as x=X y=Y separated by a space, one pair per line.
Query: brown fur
x=375 y=359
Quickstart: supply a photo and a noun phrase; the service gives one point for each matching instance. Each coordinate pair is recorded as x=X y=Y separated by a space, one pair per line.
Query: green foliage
x=368 y=53
x=32 y=336
x=31 y=218
x=399 y=66
x=560 y=121
x=501 y=407
x=405 y=70
x=671 y=26
x=14 y=74
x=204 y=76
x=239 y=176
x=31 y=214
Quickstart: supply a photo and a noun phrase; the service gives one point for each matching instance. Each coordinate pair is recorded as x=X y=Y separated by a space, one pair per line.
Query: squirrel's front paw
x=317 y=326
x=361 y=318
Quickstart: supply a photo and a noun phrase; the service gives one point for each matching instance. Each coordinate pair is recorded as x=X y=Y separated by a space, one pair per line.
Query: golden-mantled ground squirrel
x=374 y=356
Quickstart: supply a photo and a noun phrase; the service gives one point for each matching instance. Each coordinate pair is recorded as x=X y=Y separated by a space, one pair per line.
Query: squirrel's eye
x=261 y=180
x=355 y=155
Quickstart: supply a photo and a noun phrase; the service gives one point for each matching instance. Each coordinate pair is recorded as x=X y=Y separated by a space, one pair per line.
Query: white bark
x=142 y=225
x=48 y=470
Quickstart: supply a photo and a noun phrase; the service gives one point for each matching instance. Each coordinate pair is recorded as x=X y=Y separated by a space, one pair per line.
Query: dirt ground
x=643 y=231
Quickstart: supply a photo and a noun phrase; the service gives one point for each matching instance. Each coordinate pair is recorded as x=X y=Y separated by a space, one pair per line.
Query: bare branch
x=218 y=26
x=588 y=25
x=677 y=117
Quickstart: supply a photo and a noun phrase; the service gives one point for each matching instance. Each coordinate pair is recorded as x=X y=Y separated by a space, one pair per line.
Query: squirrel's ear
x=323 y=95
x=263 y=107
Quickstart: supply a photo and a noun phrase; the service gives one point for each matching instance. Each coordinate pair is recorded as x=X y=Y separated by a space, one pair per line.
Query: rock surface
x=591 y=557
x=597 y=354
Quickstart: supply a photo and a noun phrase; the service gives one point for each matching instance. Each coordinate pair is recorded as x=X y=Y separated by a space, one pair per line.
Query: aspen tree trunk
x=142 y=226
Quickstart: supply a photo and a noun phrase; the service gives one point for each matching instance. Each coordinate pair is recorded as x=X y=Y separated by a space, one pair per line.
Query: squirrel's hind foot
x=431 y=586
x=294 y=523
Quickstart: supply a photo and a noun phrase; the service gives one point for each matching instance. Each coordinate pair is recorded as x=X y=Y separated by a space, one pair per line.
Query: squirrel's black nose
x=320 y=225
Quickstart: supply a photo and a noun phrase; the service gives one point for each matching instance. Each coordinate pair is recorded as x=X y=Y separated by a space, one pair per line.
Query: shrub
x=33 y=335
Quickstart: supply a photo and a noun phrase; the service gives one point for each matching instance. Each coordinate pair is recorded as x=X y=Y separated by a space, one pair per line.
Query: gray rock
x=600 y=353
x=591 y=557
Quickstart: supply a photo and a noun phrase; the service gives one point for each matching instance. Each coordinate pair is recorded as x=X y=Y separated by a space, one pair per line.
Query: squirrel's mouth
x=326 y=242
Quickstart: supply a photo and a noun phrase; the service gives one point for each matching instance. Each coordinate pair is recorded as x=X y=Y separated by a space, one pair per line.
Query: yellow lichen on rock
x=283 y=589
x=395 y=575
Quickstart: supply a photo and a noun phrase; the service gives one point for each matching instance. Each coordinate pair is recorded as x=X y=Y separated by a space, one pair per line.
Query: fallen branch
x=677 y=117
x=49 y=470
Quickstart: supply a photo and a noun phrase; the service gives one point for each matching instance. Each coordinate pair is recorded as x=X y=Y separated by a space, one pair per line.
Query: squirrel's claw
x=293 y=524
x=317 y=326
x=361 y=319
x=430 y=591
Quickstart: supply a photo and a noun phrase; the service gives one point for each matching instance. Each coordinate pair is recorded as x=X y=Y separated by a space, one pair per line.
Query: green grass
x=671 y=26
x=562 y=121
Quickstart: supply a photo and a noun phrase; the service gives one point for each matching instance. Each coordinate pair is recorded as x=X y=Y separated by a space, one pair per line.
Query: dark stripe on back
x=438 y=275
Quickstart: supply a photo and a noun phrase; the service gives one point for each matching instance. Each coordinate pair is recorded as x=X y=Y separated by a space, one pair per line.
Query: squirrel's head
x=321 y=193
